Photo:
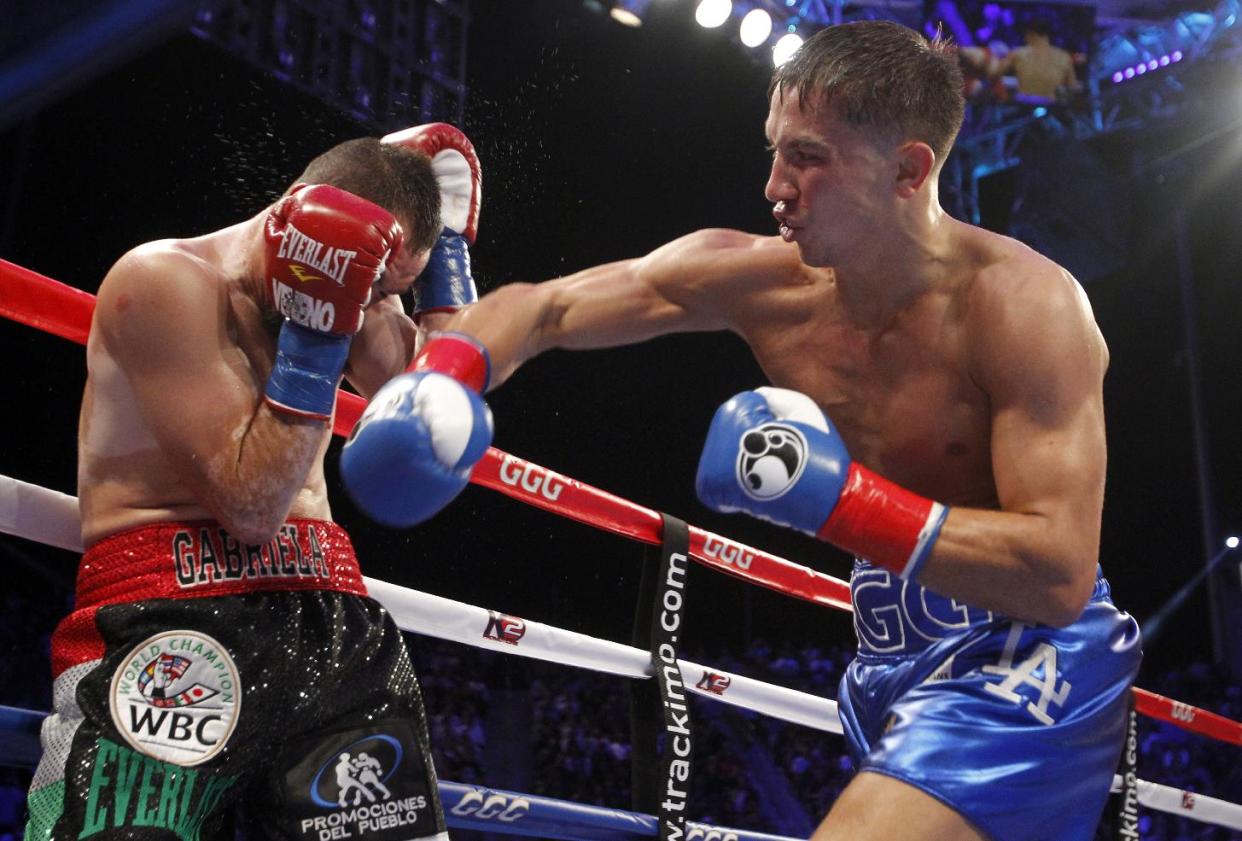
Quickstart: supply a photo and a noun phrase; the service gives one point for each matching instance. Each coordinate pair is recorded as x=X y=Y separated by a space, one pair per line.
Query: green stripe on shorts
x=46 y=806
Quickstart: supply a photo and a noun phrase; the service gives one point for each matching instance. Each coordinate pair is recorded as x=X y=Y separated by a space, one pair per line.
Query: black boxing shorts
x=200 y=678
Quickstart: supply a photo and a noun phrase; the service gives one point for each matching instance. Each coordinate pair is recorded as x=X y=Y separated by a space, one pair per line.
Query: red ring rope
x=38 y=301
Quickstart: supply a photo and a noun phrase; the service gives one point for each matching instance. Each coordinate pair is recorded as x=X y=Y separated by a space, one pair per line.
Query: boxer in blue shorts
x=939 y=414
x=964 y=709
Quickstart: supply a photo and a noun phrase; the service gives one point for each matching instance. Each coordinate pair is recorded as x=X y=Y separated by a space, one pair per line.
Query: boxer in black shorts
x=212 y=674
x=223 y=652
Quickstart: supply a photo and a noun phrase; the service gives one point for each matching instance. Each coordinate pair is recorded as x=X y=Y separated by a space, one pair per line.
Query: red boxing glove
x=457 y=170
x=325 y=249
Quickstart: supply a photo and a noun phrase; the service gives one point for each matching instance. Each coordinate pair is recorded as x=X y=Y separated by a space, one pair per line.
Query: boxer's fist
x=447 y=284
x=415 y=445
x=773 y=454
x=324 y=250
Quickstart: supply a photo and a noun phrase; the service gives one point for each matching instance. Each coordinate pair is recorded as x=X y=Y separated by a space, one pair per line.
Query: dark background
x=600 y=142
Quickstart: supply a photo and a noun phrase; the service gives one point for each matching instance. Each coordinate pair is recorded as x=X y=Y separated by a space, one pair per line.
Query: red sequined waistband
x=196 y=559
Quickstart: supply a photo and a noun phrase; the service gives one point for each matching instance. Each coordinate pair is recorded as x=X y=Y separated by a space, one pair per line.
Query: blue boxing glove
x=414 y=447
x=774 y=454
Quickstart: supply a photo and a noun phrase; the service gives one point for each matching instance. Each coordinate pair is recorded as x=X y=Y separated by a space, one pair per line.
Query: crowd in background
x=567 y=735
x=581 y=745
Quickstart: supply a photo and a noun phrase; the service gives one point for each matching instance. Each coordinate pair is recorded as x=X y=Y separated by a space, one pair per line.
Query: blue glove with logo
x=414 y=447
x=773 y=454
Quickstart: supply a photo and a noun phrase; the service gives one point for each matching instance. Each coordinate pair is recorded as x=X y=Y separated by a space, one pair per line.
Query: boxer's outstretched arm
x=699 y=282
x=164 y=320
x=383 y=347
x=1041 y=359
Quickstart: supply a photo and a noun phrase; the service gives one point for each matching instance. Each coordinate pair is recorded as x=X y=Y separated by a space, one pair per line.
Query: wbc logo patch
x=176 y=697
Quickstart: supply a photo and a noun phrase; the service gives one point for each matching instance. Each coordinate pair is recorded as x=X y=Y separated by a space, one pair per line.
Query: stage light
x=1231 y=542
x=785 y=48
x=629 y=12
x=1040 y=111
x=1153 y=64
x=1118 y=77
x=1129 y=72
x=1164 y=61
x=713 y=13
x=1140 y=69
x=756 y=27
x=1177 y=55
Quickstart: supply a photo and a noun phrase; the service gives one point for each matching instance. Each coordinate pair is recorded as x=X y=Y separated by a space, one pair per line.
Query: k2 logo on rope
x=714 y=682
x=504 y=628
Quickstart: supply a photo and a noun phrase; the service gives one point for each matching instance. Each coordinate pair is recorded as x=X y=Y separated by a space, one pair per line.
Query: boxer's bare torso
x=955 y=362
x=172 y=424
x=901 y=393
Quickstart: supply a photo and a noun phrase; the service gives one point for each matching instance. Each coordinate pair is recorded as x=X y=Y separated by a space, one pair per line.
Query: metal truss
x=992 y=137
x=389 y=63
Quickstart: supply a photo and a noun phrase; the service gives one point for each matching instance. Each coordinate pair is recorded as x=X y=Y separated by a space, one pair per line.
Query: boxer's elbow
x=1067 y=591
x=513 y=322
x=253 y=518
x=251 y=527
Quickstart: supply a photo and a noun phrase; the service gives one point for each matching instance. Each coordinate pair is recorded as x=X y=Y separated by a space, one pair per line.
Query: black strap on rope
x=1126 y=823
x=659 y=714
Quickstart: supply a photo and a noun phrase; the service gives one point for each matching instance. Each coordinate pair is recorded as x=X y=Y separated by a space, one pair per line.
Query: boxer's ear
x=915 y=162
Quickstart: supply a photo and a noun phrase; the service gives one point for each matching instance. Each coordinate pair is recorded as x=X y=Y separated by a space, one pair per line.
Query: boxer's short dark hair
x=882 y=78
x=396 y=178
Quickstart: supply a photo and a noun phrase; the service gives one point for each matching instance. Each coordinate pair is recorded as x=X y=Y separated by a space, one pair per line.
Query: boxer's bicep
x=1041 y=361
x=166 y=328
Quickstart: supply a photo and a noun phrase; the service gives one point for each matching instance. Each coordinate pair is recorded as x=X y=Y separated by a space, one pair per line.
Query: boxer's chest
x=904 y=401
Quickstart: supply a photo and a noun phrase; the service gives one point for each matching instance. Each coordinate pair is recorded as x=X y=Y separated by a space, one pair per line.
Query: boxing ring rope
x=51 y=517
x=446 y=619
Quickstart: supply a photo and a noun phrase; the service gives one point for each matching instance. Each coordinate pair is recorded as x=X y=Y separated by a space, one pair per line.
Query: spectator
x=1044 y=72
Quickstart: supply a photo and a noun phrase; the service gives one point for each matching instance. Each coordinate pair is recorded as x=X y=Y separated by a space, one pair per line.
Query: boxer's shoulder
x=159 y=284
x=162 y=268
x=1027 y=320
x=1008 y=281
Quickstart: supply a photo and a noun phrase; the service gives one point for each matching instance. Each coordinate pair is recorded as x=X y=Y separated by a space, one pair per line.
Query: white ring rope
x=1187 y=804
x=39 y=514
x=434 y=616
x=36 y=513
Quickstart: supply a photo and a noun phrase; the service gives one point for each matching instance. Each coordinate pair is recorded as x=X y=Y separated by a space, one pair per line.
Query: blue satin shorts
x=1018 y=728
